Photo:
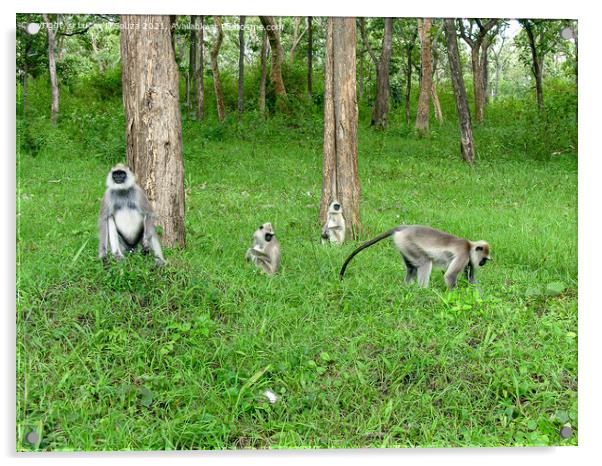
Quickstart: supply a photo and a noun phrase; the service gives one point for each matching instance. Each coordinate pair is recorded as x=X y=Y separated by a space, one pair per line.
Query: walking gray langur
x=423 y=248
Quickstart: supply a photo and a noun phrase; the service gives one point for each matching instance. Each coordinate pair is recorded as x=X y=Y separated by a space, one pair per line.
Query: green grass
x=133 y=357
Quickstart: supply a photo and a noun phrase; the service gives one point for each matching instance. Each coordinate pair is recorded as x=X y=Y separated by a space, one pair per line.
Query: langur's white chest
x=129 y=223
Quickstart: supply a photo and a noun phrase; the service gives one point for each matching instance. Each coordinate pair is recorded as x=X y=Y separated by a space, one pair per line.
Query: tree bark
x=54 y=87
x=426 y=76
x=436 y=102
x=262 y=79
x=310 y=52
x=192 y=67
x=381 y=105
x=153 y=121
x=537 y=65
x=241 y=64
x=466 y=139
x=217 y=81
x=271 y=28
x=340 y=178
x=409 y=50
x=200 y=110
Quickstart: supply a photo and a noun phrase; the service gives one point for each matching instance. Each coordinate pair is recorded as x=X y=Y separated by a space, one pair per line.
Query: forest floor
x=130 y=357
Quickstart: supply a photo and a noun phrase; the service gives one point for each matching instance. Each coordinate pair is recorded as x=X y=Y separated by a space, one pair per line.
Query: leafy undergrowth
x=130 y=357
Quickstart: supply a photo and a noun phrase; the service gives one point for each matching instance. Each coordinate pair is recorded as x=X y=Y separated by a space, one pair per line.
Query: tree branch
x=366 y=43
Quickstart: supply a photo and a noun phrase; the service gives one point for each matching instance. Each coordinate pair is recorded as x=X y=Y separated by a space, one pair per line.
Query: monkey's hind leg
x=410 y=270
x=151 y=241
x=424 y=274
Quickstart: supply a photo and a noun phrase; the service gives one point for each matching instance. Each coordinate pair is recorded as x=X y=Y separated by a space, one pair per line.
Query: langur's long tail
x=367 y=244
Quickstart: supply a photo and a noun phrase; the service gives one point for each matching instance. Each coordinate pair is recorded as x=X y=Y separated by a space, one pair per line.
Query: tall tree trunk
x=217 y=81
x=536 y=67
x=153 y=121
x=192 y=67
x=310 y=53
x=409 y=50
x=466 y=139
x=426 y=76
x=241 y=64
x=436 y=102
x=477 y=84
x=340 y=178
x=271 y=28
x=485 y=70
x=200 y=110
x=54 y=87
x=262 y=80
x=381 y=105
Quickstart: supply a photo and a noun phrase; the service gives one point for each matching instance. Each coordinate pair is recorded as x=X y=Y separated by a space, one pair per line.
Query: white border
x=590 y=105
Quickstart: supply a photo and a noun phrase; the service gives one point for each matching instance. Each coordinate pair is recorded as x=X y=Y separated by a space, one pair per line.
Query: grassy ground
x=132 y=357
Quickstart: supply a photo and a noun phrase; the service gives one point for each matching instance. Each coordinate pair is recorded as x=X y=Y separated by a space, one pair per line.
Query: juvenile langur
x=265 y=250
x=423 y=248
x=126 y=217
x=334 y=228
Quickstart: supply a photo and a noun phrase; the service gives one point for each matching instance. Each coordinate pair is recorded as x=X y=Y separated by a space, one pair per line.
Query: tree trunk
x=277 y=57
x=436 y=102
x=536 y=67
x=241 y=64
x=200 y=112
x=310 y=45
x=192 y=67
x=153 y=121
x=381 y=105
x=54 y=87
x=466 y=139
x=426 y=76
x=340 y=178
x=477 y=84
x=217 y=82
x=262 y=80
x=409 y=50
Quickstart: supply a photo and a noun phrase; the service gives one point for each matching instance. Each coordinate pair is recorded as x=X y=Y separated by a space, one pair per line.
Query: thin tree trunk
x=340 y=171
x=262 y=80
x=310 y=45
x=54 y=87
x=217 y=82
x=153 y=121
x=466 y=140
x=409 y=50
x=426 y=76
x=241 y=64
x=192 y=68
x=536 y=67
x=381 y=105
x=277 y=58
x=436 y=102
x=296 y=39
x=477 y=73
x=200 y=112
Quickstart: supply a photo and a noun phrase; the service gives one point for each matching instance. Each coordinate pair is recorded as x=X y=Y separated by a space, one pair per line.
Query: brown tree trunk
x=536 y=66
x=310 y=53
x=340 y=178
x=466 y=139
x=477 y=84
x=192 y=67
x=381 y=105
x=217 y=81
x=436 y=102
x=200 y=111
x=153 y=121
x=241 y=64
x=54 y=87
x=409 y=50
x=262 y=80
x=277 y=58
x=426 y=76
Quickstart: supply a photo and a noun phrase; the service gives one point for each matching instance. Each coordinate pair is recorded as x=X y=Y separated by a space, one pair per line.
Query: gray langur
x=334 y=228
x=126 y=217
x=265 y=250
x=423 y=248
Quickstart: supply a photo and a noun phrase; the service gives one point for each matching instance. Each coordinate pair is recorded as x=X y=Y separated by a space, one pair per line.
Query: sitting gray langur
x=265 y=250
x=334 y=228
x=423 y=248
x=126 y=217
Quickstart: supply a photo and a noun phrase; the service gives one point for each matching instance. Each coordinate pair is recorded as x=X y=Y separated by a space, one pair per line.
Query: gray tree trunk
x=262 y=79
x=426 y=76
x=241 y=64
x=200 y=112
x=217 y=80
x=54 y=86
x=153 y=121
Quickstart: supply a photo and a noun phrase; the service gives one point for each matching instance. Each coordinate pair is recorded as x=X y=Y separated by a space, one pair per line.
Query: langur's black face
x=119 y=176
x=268 y=237
x=483 y=262
x=336 y=207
